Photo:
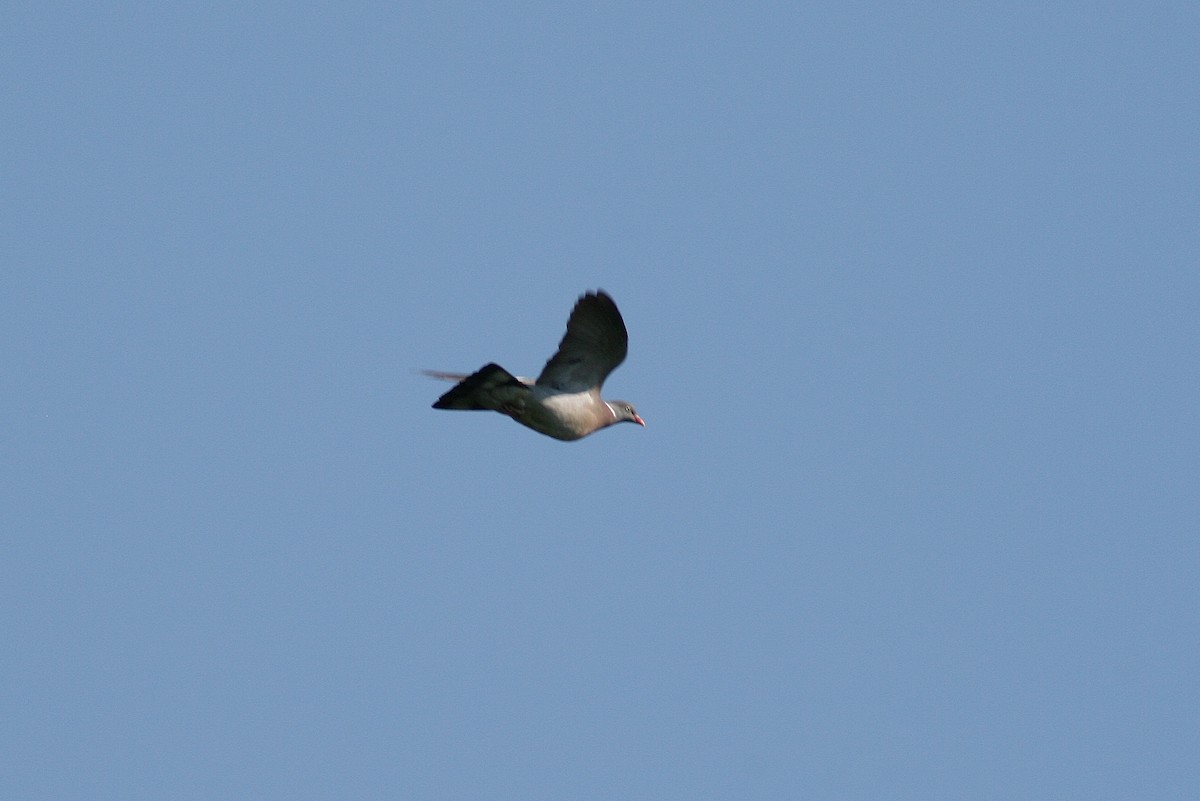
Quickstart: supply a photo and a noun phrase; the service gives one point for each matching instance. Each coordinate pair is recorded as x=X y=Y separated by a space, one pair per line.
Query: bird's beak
x=638 y=419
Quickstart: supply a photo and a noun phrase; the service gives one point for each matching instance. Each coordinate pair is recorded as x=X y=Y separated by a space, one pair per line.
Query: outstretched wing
x=595 y=343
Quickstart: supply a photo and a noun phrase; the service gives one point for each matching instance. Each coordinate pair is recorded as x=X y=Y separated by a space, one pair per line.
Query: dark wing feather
x=595 y=343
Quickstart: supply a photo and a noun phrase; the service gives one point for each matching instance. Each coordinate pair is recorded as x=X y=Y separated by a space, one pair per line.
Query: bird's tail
x=476 y=391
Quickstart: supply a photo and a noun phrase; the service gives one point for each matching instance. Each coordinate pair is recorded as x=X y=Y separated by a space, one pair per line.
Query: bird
x=564 y=401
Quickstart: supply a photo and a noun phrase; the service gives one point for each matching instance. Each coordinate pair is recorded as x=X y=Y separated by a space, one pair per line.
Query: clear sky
x=912 y=292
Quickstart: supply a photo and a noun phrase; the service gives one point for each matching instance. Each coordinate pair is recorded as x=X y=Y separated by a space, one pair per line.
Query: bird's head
x=623 y=412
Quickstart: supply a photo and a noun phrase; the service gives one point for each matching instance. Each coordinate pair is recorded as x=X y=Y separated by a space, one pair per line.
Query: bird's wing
x=595 y=343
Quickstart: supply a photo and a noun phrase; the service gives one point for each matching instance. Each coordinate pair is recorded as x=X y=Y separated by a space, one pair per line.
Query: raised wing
x=595 y=343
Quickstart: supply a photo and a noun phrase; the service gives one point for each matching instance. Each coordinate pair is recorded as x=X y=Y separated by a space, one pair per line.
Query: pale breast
x=566 y=416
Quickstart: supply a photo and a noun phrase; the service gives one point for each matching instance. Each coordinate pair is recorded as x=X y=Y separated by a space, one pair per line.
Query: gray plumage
x=564 y=401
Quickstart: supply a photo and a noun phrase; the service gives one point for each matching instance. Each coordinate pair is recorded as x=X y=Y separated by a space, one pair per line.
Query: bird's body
x=564 y=401
x=563 y=415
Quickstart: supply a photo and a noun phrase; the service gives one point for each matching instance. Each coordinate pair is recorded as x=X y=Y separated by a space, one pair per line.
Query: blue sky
x=912 y=297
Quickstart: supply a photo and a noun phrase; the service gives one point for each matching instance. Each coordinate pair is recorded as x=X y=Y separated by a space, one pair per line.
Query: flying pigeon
x=564 y=402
